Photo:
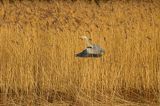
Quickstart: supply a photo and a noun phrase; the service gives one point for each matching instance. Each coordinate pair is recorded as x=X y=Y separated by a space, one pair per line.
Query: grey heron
x=91 y=50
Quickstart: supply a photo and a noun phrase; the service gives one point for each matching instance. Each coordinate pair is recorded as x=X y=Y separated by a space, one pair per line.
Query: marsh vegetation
x=38 y=40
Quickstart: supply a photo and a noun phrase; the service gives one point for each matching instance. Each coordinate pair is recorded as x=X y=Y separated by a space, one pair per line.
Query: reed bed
x=38 y=42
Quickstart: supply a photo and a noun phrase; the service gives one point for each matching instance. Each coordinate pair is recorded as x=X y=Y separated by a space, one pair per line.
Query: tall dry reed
x=38 y=41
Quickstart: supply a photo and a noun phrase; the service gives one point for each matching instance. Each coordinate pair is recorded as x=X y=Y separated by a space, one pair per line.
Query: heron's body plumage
x=92 y=50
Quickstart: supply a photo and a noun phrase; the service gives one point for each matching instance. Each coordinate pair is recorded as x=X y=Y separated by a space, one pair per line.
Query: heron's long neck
x=88 y=43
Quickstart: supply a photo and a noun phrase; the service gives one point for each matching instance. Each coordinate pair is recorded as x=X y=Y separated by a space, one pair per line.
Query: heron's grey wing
x=91 y=51
x=94 y=49
x=98 y=49
x=84 y=53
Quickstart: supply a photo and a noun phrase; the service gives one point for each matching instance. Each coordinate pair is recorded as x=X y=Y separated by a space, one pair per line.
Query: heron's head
x=85 y=37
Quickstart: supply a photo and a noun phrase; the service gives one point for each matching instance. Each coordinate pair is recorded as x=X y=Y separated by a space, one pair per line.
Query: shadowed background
x=39 y=40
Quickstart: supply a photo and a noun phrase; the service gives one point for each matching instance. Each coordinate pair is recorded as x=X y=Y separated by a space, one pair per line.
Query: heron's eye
x=89 y=47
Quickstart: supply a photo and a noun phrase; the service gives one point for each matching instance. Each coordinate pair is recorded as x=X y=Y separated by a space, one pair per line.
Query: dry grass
x=38 y=41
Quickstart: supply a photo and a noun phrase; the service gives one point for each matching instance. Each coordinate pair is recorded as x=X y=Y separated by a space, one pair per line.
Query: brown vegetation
x=38 y=41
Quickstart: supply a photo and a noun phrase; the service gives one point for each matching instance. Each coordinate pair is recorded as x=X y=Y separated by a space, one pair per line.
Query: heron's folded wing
x=84 y=53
